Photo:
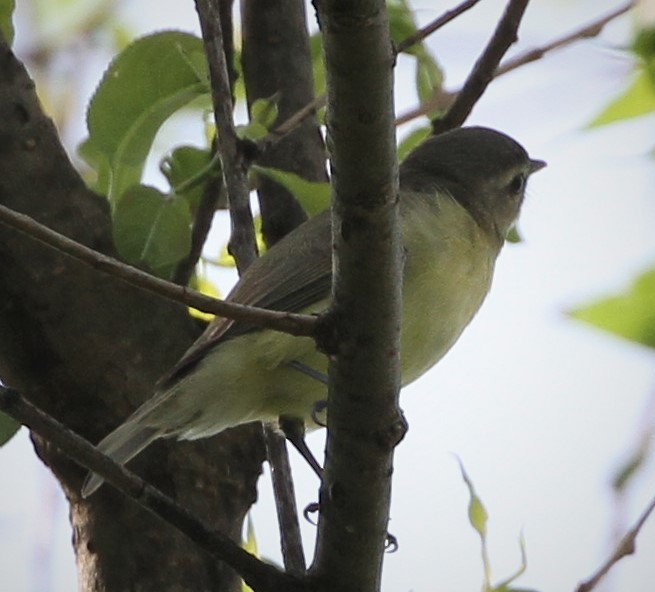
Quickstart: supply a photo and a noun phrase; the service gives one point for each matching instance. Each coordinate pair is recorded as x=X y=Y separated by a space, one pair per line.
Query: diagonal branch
x=294 y=324
x=444 y=99
x=593 y=29
x=626 y=546
x=436 y=24
x=259 y=575
x=483 y=70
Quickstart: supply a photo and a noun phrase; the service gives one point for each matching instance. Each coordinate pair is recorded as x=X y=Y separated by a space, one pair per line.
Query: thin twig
x=626 y=546
x=285 y=501
x=436 y=24
x=294 y=324
x=443 y=99
x=242 y=245
x=287 y=126
x=483 y=70
x=593 y=29
x=258 y=574
x=202 y=223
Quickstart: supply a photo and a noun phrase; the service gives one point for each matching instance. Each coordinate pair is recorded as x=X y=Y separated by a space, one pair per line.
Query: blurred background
x=544 y=411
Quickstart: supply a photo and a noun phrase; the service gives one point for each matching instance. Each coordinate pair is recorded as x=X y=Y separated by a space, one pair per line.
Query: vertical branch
x=242 y=245
x=362 y=326
x=277 y=61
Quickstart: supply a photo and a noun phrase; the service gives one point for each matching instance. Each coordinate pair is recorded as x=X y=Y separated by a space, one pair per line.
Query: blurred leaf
x=429 y=75
x=629 y=469
x=513 y=235
x=314 y=197
x=152 y=229
x=263 y=114
x=251 y=131
x=630 y=315
x=250 y=545
x=6 y=20
x=644 y=47
x=318 y=65
x=477 y=513
x=505 y=585
x=401 y=22
x=187 y=168
x=205 y=286
x=8 y=427
x=412 y=140
x=60 y=22
x=429 y=80
x=149 y=81
x=638 y=100
x=264 y=111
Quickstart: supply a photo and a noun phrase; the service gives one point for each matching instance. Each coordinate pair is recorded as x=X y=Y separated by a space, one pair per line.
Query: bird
x=460 y=193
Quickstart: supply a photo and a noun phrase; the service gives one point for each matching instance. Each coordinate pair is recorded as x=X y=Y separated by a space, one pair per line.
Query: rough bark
x=88 y=349
x=277 y=61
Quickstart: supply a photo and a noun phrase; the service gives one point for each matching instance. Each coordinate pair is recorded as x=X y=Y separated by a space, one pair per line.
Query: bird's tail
x=123 y=444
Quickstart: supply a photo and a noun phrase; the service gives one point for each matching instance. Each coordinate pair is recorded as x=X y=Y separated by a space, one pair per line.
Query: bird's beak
x=536 y=165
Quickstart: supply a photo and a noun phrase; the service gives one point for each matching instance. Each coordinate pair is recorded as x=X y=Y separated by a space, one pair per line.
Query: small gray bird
x=460 y=193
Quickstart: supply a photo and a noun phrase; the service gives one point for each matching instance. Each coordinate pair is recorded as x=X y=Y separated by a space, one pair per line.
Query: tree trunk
x=88 y=349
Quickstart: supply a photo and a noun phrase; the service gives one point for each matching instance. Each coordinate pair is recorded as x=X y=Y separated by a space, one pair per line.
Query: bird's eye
x=517 y=184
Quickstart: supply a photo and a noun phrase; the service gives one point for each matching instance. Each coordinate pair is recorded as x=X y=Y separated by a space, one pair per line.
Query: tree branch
x=202 y=223
x=435 y=25
x=364 y=381
x=259 y=575
x=294 y=324
x=285 y=501
x=483 y=70
x=242 y=245
x=311 y=108
x=444 y=99
x=593 y=29
x=627 y=546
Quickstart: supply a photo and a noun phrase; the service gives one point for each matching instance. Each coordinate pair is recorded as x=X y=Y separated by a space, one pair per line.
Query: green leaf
x=629 y=469
x=264 y=111
x=630 y=315
x=251 y=131
x=513 y=236
x=313 y=197
x=250 y=545
x=318 y=65
x=8 y=427
x=147 y=83
x=187 y=168
x=263 y=114
x=429 y=79
x=6 y=22
x=152 y=229
x=477 y=514
x=204 y=285
x=638 y=100
x=401 y=21
x=412 y=140
x=644 y=47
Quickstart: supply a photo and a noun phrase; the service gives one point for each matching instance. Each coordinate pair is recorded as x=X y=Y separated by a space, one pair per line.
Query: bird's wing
x=283 y=279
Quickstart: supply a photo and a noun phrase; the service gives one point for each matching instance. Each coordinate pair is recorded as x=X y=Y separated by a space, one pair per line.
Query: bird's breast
x=448 y=270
